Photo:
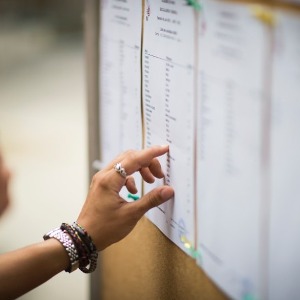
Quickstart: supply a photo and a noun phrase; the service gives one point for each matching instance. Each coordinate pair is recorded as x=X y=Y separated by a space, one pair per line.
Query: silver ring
x=119 y=169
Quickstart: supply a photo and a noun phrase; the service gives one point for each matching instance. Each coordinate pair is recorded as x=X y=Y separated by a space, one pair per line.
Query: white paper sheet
x=168 y=97
x=232 y=52
x=284 y=263
x=120 y=79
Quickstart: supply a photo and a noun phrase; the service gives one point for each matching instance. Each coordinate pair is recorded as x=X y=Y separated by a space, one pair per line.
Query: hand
x=105 y=215
x=4 y=180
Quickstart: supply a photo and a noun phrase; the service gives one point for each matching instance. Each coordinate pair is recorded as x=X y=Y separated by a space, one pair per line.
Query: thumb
x=154 y=198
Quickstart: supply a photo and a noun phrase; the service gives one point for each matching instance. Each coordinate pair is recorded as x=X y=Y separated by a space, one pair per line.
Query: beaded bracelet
x=87 y=240
x=84 y=236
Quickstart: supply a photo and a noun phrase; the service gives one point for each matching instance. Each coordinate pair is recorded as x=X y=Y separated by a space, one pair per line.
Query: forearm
x=26 y=268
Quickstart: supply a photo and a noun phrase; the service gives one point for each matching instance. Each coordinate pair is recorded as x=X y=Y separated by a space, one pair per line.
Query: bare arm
x=26 y=268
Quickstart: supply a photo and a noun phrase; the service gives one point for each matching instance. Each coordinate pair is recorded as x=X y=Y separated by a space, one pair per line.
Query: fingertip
x=161 y=175
x=130 y=185
x=161 y=148
x=154 y=198
x=165 y=148
x=166 y=193
x=132 y=190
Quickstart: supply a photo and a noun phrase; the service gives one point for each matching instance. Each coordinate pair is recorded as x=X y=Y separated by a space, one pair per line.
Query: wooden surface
x=146 y=265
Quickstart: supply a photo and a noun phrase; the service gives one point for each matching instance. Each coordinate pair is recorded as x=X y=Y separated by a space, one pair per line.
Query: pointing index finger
x=141 y=159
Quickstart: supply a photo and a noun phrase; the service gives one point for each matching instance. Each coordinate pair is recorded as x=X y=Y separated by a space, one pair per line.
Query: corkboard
x=147 y=265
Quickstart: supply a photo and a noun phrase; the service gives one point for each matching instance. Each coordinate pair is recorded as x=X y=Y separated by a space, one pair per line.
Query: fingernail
x=167 y=193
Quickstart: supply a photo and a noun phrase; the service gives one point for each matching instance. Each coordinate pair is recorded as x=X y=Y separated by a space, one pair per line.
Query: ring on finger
x=119 y=169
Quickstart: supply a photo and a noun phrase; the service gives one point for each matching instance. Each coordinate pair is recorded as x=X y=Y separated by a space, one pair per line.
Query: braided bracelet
x=82 y=250
x=84 y=236
x=88 y=242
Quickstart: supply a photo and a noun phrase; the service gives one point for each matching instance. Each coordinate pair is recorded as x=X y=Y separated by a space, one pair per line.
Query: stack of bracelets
x=80 y=248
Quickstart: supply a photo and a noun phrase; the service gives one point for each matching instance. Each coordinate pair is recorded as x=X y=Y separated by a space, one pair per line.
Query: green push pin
x=133 y=197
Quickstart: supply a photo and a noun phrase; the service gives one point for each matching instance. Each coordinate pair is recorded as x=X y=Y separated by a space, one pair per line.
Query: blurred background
x=43 y=126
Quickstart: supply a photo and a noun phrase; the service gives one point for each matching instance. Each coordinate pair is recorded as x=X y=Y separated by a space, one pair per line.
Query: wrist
x=60 y=259
x=78 y=246
x=68 y=244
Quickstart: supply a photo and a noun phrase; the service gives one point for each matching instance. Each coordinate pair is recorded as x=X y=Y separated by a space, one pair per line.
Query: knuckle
x=100 y=180
x=131 y=154
x=154 y=201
